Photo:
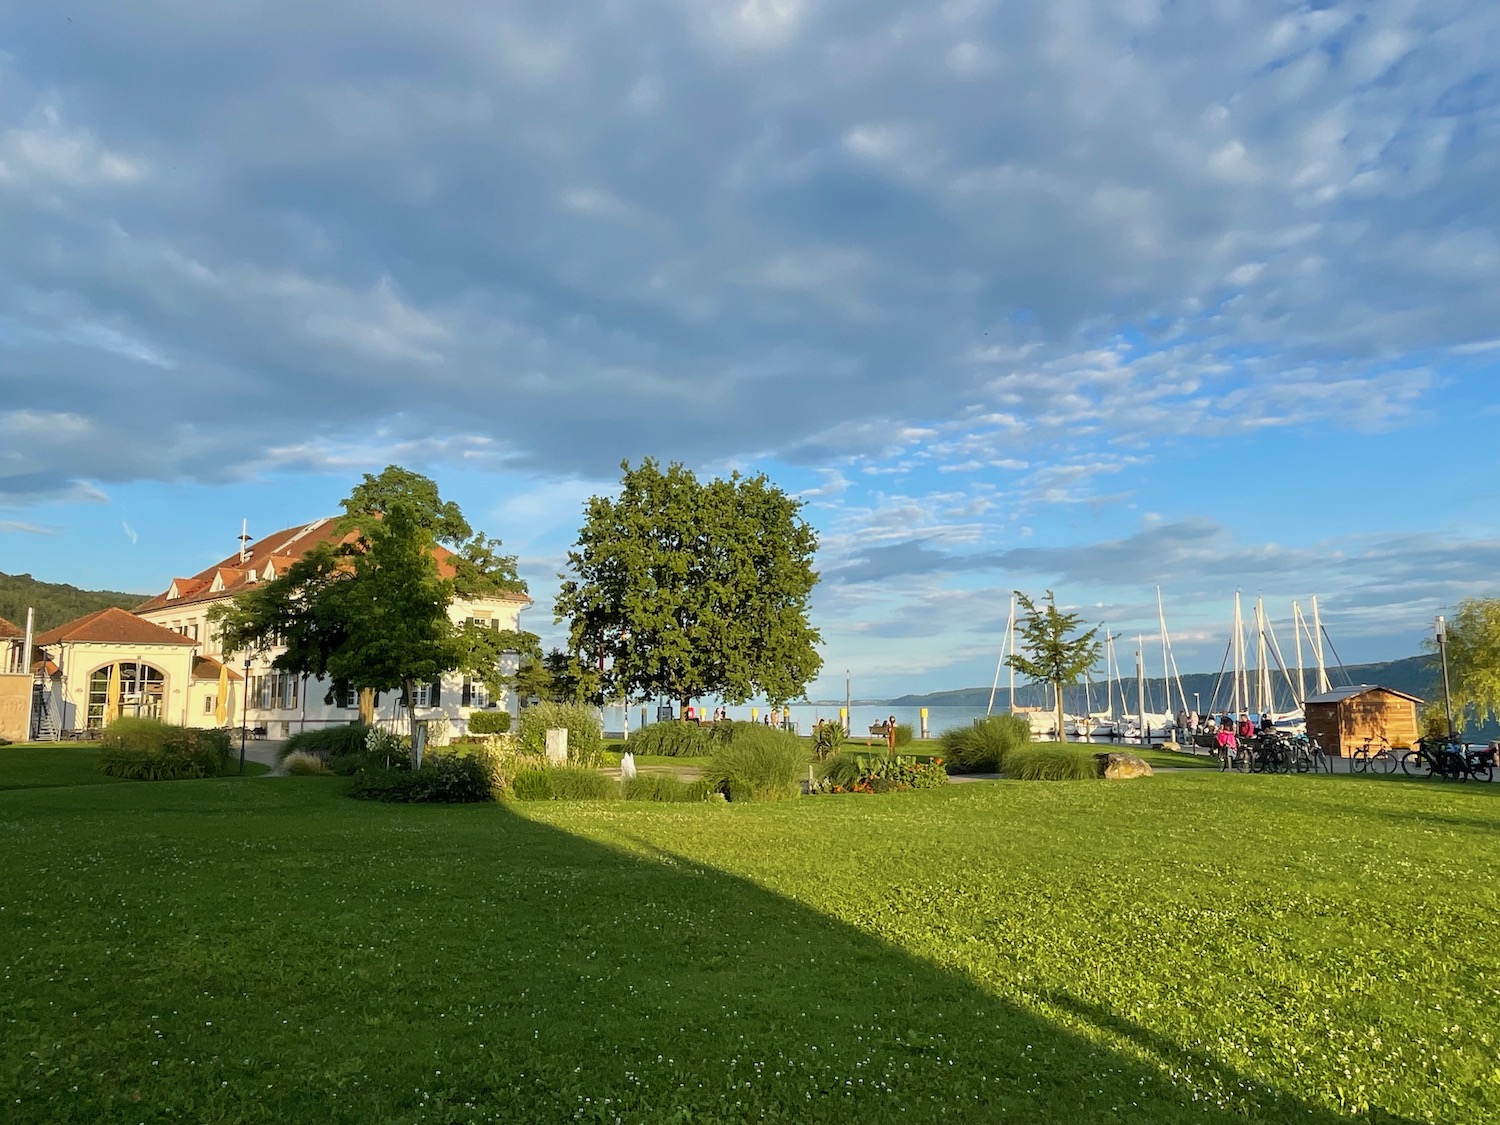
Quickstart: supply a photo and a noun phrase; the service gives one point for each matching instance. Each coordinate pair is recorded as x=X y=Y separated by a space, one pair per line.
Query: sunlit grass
x=1189 y=948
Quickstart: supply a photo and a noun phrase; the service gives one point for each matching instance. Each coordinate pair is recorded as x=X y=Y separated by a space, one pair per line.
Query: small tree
x=687 y=590
x=370 y=611
x=1473 y=660
x=1051 y=654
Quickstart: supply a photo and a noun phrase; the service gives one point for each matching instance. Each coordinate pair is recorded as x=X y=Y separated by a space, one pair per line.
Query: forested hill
x=55 y=604
x=1415 y=675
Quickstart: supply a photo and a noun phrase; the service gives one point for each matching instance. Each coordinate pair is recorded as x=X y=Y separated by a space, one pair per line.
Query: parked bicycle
x=1381 y=760
x=1450 y=760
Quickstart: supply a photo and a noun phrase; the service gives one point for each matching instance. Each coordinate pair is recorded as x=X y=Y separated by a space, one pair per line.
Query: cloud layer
x=554 y=235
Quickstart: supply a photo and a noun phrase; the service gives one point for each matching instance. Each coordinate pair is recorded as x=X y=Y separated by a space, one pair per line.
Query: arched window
x=140 y=690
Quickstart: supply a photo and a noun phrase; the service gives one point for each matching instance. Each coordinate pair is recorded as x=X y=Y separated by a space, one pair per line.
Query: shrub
x=673 y=740
x=666 y=788
x=495 y=722
x=758 y=763
x=842 y=772
x=299 y=764
x=1050 y=763
x=563 y=783
x=443 y=778
x=151 y=750
x=326 y=742
x=885 y=773
x=904 y=734
x=828 y=739
x=983 y=746
x=585 y=734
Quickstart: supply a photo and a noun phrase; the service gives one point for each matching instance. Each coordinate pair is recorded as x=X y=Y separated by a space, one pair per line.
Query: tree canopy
x=370 y=612
x=1050 y=653
x=55 y=603
x=1473 y=659
x=687 y=589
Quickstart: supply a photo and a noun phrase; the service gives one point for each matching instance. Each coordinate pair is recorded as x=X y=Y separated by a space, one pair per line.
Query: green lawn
x=1193 y=947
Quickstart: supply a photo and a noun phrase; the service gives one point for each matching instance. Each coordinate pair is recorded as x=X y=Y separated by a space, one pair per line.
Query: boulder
x=1118 y=766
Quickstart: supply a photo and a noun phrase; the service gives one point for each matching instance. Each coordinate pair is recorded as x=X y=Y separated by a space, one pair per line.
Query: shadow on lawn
x=715 y=999
x=340 y=962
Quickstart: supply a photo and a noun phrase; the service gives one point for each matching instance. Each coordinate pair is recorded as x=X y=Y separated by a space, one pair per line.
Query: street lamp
x=1197 y=705
x=1440 y=630
x=244 y=710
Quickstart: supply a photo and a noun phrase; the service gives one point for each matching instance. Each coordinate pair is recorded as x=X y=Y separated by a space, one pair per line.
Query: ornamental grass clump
x=984 y=745
x=151 y=750
x=300 y=764
x=665 y=788
x=1050 y=763
x=585 y=733
x=563 y=783
x=758 y=763
x=673 y=739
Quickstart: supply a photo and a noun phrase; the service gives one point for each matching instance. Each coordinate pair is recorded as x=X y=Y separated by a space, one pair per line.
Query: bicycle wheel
x=1384 y=762
x=1304 y=761
x=1415 y=763
x=1480 y=769
x=1359 y=761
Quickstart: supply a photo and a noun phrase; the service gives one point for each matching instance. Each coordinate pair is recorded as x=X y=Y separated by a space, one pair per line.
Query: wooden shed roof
x=1338 y=695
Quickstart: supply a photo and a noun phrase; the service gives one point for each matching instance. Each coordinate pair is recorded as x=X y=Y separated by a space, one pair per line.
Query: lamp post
x=244 y=710
x=1440 y=631
x=1197 y=705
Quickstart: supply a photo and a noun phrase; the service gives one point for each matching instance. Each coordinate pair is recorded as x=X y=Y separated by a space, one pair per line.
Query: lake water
x=861 y=717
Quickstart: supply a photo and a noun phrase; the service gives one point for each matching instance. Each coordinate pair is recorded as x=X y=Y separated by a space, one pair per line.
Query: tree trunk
x=367 y=707
x=1062 y=734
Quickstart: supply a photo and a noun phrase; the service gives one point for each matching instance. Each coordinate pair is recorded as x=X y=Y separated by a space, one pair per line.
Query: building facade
x=166 y=660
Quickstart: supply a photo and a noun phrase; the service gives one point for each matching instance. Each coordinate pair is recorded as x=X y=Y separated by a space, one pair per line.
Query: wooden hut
x=1343 y=718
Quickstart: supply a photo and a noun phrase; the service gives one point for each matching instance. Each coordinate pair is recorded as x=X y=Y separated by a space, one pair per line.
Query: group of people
x=772 y=718
x=1226 y=731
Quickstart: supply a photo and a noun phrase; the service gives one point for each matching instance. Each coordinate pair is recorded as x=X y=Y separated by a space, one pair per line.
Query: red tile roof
x=281 y=549
x=207 y=668
x=7 y=631
x=112 y=626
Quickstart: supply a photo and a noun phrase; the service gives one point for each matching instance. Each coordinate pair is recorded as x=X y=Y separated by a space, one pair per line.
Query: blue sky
x=1089 y=296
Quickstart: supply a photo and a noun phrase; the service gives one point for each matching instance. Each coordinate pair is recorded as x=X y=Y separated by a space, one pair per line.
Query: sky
x=1090 y=297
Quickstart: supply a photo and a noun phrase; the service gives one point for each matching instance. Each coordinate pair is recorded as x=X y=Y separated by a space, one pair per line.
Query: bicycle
x=1451 y=760
x=1382 y=761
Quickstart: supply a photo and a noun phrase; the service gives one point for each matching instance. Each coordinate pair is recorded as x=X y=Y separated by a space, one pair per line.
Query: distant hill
x=1414 y=675
x=55 y=603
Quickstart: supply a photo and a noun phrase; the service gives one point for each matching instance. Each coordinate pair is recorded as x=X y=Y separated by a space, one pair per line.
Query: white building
x=171 y=660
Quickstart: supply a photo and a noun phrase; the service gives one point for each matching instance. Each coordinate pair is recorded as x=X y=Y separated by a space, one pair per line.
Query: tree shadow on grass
x=518 y=973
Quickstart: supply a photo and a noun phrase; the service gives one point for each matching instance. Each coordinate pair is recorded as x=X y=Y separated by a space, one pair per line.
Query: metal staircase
x=42 y=717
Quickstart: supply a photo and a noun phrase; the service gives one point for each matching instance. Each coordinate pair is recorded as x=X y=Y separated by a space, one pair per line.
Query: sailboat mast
x=1318 y=647
x=1166 y=683
x=1262 y=680
x=1009 y=635
x=1140 y=689
x=1111 y=673
x=1012 y=652
x=1238 y=641
x=1297 y=625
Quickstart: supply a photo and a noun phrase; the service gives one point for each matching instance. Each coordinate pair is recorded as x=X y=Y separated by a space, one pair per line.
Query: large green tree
x=370 y=611
x=687 y=589
x=1473 y=660
x=1051 y=652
